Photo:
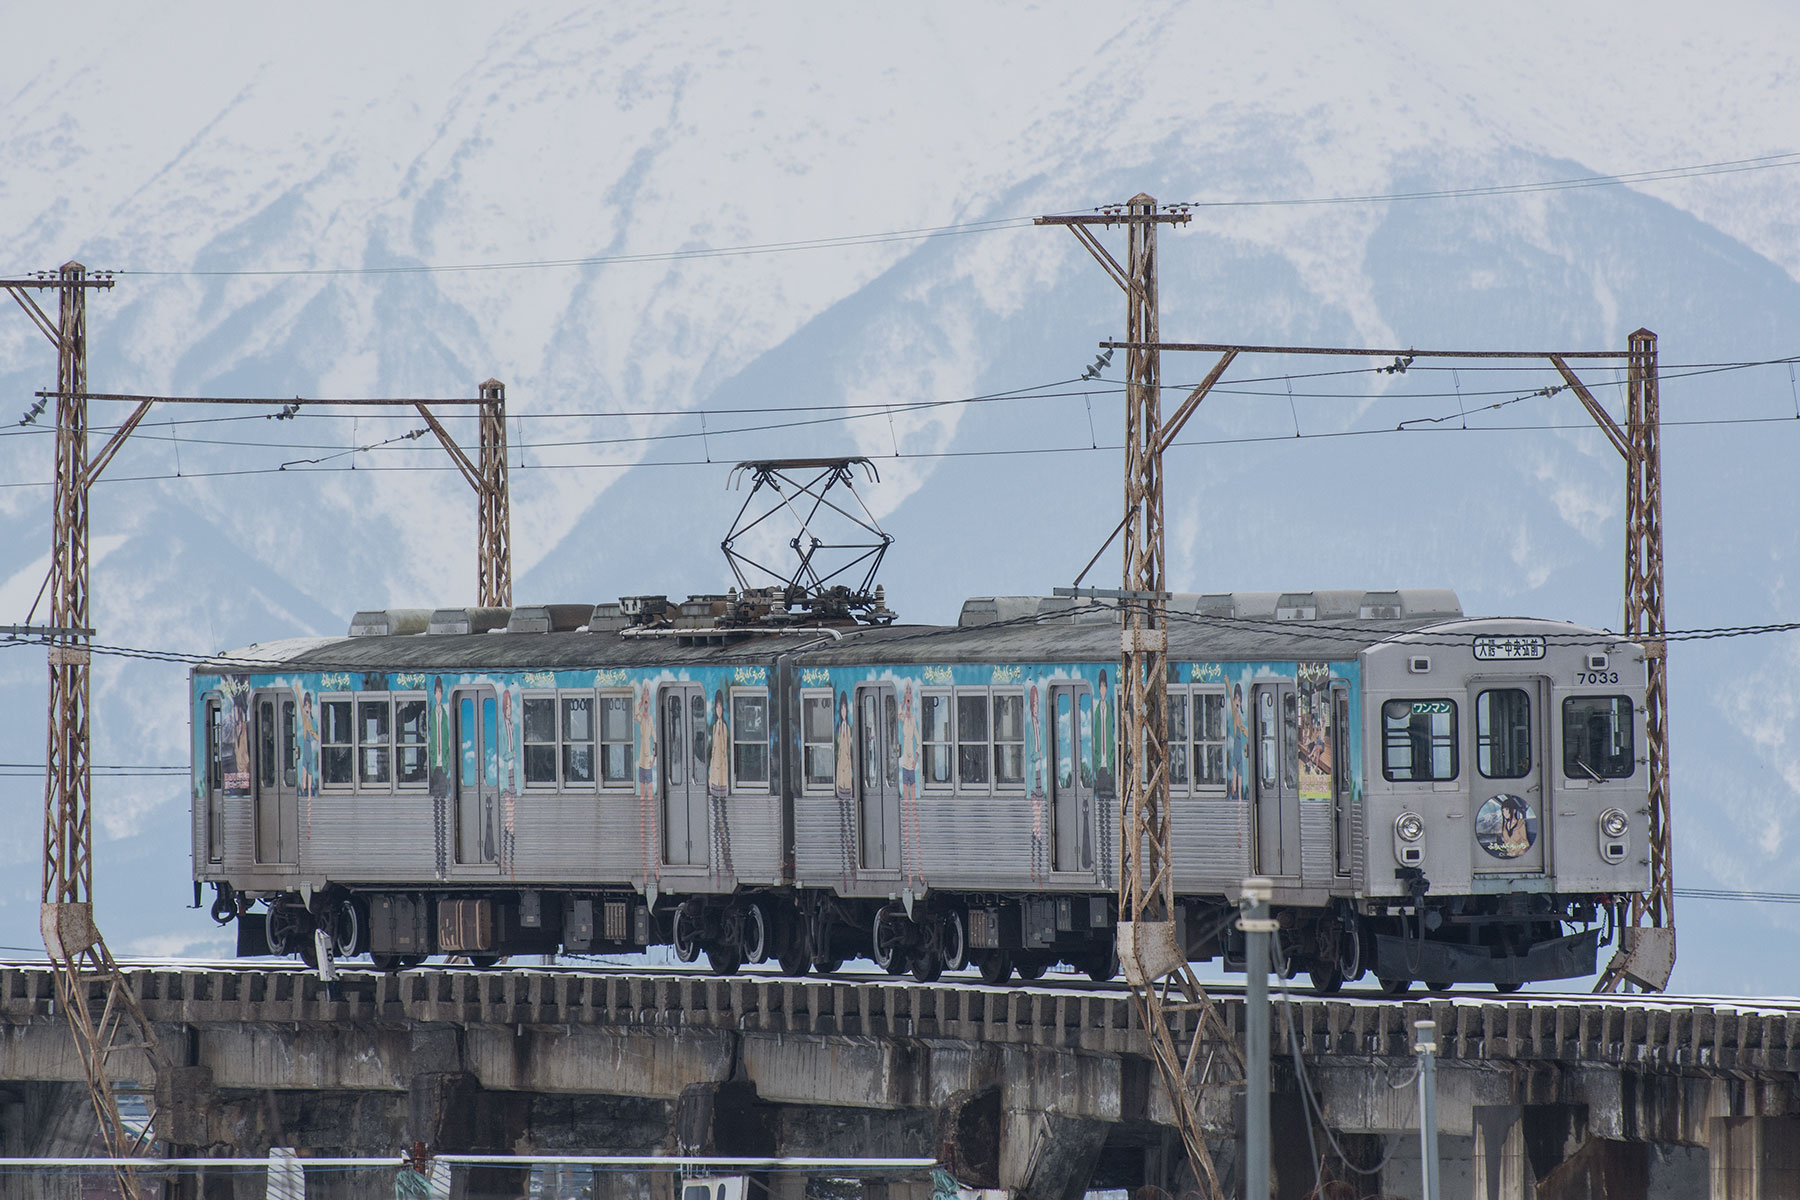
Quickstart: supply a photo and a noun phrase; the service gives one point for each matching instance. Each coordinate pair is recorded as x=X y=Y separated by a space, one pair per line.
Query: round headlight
x=1410 y=827
x=1613 y=823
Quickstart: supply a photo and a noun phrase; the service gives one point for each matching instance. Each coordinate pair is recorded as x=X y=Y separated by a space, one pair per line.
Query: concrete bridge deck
x=1040 y=1089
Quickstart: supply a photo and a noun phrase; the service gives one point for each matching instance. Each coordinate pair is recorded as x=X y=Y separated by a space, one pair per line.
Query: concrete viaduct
x=1043 y=1091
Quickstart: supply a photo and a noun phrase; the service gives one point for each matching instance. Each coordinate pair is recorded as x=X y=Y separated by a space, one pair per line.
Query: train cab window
x=1178 y=741
x=373 y=752
x=615 y=739
x=409 y=742
x=578 y=741
x=1209 y=739
x=337 y=743
x=1503 y=733
x=750 y=738
x=1418 y=740
x=972 y=741
x=1597 y=737
x=539 y=713
x=934 y=738
x=1009 y=740
x=818 y=743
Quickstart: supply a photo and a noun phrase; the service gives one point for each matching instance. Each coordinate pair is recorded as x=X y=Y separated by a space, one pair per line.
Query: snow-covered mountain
x=173 y=143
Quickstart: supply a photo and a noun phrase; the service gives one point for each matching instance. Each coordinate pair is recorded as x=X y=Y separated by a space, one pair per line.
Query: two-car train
x=1435 y=798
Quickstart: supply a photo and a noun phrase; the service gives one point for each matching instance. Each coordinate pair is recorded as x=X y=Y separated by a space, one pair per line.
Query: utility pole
x=1430 y=1170
x=95 y=997
x=494 y=524
x=1646 y=954
x=97 y=1001
x=1258 y=926
x=1154 y=962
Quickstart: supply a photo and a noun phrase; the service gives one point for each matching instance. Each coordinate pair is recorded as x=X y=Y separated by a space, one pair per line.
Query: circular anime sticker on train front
x=1506 y=826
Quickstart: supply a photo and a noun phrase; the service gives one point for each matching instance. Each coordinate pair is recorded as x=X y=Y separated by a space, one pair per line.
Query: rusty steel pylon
x=112 y=1036
x=96 y=998
x=1169 y=998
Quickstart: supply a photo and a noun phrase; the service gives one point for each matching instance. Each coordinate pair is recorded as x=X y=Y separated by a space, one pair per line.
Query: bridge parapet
x=1663 y=1033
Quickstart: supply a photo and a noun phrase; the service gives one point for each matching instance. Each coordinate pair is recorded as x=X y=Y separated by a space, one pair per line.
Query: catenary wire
x=997 y=224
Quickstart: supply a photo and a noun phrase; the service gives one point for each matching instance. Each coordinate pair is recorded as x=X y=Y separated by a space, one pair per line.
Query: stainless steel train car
x=1436 y=798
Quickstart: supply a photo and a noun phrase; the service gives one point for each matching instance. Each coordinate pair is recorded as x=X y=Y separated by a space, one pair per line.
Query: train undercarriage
x=1503 y=940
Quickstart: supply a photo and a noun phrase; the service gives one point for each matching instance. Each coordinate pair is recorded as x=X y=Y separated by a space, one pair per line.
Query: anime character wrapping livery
x=438 y=777
x=845 y=779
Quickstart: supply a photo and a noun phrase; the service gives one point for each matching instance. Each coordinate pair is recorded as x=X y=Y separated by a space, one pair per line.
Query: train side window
x=750 y=738
x=373 y=742
x=818 y=742
x=578 y=741
x=935 y=739
x=616 y=748
x=1418 y=740
x=290 y=746
x=538 y=723
x=674 y=760
x=265 y=743
x=1065 y=740
x=409 y=742
x=1290 y=741
x=1009 y=739
x=1085 y=731
x=337 y=743
x=890 y=711
x=1503 y=733
x=1267 y=741
x=1179 y=735
x=215 y=769
x=972 y=740
x=1209 y=739
x=1597 y=737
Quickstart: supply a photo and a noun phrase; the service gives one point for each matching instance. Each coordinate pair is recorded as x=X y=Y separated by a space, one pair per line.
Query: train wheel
x=686 y=935
x=927 y=966
x=1395 y=987
x=724 y=960
x=795 y=955
x=1030 y=968
x=1438 y=989
x=996 y=967
x=832 y=965
x=349 y=929
x=885 y=947
x=1326 y=980
x=1507 y=989
x=953 y=940
x=1102 y=964
x=753 y=933
x=385 y=962
x=288 y=930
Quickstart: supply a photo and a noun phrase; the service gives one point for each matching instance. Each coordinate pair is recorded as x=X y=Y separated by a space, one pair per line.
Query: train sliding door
x=684 y=765
x=878 y=777
x=1277 y=710
x=477 y=777
x=1072 y=781
x=277 y=780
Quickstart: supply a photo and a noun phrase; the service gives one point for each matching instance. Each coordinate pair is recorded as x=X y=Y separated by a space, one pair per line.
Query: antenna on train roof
x=832 y=575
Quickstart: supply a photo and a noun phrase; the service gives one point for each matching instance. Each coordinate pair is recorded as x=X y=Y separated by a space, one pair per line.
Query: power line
x=996 y=224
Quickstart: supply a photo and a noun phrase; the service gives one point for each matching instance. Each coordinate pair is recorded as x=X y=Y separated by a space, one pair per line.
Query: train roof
x=1241 y=626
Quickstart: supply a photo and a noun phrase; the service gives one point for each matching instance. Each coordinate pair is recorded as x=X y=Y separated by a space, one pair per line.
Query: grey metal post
x=1257 y=927
x=1425 y=1044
